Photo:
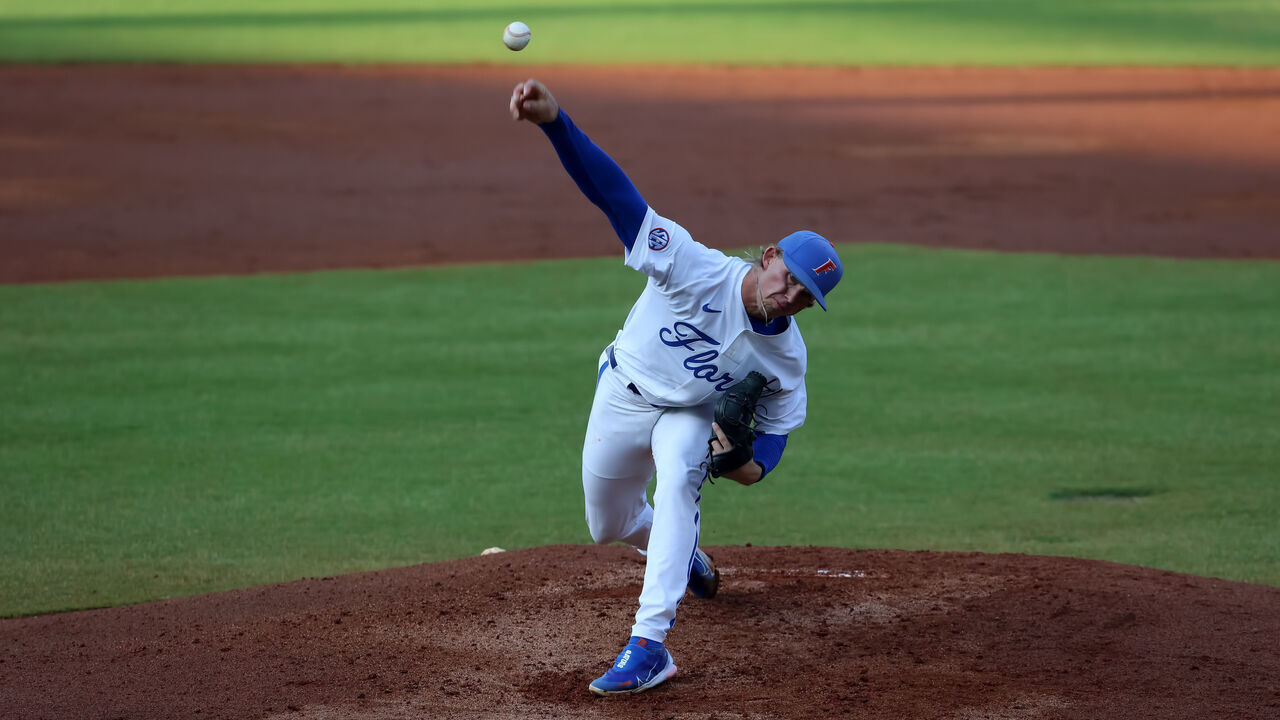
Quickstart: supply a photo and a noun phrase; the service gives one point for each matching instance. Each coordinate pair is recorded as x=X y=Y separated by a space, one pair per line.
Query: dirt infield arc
x=796 y=632
x=114 y=172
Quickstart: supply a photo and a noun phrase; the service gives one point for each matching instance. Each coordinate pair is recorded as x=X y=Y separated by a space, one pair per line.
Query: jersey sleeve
x=783 y=412
x=598 y=177
x=676 y=262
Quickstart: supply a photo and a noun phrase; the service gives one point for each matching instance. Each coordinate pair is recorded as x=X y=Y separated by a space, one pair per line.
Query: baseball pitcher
x=706 y=376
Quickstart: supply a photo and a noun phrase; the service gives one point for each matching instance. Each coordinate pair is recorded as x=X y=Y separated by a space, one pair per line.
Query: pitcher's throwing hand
x=532 y=101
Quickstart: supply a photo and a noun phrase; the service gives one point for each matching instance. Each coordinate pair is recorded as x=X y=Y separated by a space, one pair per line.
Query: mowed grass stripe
x=807 y=32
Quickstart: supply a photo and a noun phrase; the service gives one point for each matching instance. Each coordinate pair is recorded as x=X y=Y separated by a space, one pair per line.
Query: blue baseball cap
x=813 y=260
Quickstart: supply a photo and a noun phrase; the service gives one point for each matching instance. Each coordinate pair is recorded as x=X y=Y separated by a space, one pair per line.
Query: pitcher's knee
x=600 y=538
x=601 y=534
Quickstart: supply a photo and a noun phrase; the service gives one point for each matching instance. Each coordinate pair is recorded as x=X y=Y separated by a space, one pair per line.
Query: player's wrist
x=553 y=117
x=749 y=473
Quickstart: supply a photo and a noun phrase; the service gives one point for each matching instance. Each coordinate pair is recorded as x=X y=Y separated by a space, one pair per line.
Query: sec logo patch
x=658 y=239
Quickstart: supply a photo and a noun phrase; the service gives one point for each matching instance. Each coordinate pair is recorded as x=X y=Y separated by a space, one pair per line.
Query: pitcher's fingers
x=518 y=95
x=720 y=436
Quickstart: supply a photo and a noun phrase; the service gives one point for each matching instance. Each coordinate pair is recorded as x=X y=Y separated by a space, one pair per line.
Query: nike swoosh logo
x=706 y=307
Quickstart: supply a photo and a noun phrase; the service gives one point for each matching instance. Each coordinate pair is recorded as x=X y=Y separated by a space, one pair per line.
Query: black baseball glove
x=736 y=414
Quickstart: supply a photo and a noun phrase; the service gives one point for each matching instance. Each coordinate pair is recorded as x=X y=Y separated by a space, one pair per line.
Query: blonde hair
x=756 y=256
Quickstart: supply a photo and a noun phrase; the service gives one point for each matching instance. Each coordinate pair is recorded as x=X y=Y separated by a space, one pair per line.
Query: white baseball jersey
x=688 y=337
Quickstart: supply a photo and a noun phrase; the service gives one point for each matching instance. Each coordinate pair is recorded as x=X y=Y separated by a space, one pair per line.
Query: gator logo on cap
x=826 y=267
x=658 y=239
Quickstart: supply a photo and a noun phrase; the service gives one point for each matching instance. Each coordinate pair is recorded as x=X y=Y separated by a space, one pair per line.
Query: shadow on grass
x=1103 y=495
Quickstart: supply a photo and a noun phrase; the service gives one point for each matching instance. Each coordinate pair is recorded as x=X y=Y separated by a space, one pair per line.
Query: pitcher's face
x=780 y=291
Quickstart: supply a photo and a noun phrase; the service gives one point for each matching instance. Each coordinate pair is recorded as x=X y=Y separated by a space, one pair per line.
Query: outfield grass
x=826 y=32
x=181 y=436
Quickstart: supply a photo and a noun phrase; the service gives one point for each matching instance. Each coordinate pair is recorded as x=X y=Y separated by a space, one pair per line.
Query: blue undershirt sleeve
x=768 y=451
x=598 y=177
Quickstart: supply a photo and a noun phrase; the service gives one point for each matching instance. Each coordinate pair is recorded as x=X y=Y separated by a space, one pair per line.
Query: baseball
x=517 y=35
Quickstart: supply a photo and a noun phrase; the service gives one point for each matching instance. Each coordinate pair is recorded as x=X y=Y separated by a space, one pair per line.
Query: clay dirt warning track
x=143 y=171
x=113 y=172
x=794 y=633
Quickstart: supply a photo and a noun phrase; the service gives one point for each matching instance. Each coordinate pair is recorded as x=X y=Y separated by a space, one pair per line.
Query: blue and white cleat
x=642 y=664
x=704 y=578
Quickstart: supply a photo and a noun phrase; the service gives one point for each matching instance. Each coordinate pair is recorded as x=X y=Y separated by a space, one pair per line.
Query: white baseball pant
x=628 y=440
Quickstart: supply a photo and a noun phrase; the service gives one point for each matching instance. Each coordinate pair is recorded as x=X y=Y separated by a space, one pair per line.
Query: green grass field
x=180 y=436
x=830 y=32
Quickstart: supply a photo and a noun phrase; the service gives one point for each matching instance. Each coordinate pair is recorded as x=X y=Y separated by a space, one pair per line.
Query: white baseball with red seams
x=517 y=35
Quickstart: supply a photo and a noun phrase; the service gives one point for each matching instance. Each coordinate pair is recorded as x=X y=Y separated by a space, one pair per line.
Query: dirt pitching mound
x=795 y=632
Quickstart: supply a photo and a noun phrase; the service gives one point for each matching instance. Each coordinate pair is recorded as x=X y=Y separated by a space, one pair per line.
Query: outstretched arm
x=596 y=174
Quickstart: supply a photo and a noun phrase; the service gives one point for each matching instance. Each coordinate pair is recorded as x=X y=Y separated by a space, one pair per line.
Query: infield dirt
x=143 y=171
x=114 y=172
x=794 y=633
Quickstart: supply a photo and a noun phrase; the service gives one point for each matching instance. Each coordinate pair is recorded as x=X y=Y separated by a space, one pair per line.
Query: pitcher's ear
x=767 y=257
